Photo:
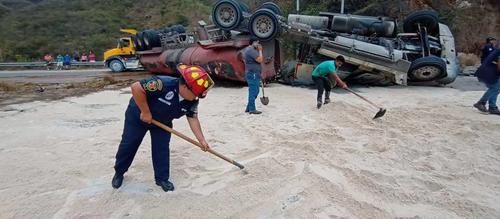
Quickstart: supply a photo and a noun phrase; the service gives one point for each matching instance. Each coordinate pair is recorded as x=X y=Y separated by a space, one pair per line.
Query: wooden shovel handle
x=364 y=98
x=192 y=141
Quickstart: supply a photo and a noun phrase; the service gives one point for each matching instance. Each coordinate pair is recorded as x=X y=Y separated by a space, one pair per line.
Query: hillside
x=31 y=28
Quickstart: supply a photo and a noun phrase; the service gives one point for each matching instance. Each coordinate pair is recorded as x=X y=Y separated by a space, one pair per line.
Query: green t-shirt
x=325 y=68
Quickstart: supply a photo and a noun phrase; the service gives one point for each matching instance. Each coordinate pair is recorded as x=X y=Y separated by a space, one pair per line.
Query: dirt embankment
x=38 y=88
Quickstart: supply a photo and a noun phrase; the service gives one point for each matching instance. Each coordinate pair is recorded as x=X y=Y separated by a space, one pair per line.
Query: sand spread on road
x=431 y=156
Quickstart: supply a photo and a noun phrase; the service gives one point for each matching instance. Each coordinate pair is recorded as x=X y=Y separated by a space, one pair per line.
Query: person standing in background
x=489 y=74
x=91 y=56
x=67 y=61
x=76 y=56
x=488 y=48
x=252 y=56
x=84 y=58
x=48 y=60
x=60 y=62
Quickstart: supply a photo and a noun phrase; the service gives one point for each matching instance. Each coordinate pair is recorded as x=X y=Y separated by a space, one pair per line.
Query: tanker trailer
x=221 y=58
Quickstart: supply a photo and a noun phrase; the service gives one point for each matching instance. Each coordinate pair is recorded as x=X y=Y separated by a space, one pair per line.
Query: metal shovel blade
x=264 y=100
x=380 y=113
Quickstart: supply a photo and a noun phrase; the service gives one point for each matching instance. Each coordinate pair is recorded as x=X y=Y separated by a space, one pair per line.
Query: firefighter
x=162 y=98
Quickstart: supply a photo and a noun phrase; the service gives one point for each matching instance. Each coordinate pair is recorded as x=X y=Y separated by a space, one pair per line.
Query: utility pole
x=298 y=6
x=342 y=7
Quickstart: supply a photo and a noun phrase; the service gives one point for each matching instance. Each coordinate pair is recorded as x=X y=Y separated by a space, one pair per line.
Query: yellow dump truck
x=123 y=57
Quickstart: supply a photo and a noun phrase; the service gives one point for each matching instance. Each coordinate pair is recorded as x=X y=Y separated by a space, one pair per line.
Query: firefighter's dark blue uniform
x=165 y=104
x=487 y=49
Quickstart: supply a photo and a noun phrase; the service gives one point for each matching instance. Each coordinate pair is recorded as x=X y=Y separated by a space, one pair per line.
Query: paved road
x=44 y=76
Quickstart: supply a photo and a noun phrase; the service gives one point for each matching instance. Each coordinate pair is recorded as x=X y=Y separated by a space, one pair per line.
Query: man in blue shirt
x=67 y=61
x=252 y=56
x=163 y=98
x=325 y=77
x=489 y=74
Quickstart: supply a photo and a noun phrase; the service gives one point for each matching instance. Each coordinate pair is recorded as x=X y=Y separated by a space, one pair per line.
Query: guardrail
x=44 y=64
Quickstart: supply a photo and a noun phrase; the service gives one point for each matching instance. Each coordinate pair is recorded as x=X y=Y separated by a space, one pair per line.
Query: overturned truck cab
x=375 y=53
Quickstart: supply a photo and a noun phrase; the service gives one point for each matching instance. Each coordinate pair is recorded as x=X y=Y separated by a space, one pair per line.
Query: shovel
x=381 y=112
x=190 y=140
x=264 y=100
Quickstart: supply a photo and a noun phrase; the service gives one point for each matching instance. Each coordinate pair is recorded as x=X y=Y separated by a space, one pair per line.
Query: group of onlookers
x=64 y=61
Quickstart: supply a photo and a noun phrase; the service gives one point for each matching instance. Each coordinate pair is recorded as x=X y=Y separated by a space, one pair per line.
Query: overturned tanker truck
x=374 y=50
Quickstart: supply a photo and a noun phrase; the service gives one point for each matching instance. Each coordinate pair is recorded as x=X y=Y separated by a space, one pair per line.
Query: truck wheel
x=427 y=68
x=178 y=28
x=140 y=41
x=151 y=39
x=227 y=14
x=426 y=18
x=273 y=7
x=264 y=24
x=136 y=45
x=116 y=66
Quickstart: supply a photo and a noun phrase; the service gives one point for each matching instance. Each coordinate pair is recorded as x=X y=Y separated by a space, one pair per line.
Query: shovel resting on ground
x=381 y=112
x=264 y=100
x=192 y=141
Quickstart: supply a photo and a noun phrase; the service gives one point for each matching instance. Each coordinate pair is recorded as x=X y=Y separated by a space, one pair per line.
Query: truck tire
x=151 y=39
x=427 y=68
x=136 y=45
x=178 y=28
x=140 y=41
x=264 y=25
x=428 y=19
x=227 y=14
x=273 y=7
x=116 y=66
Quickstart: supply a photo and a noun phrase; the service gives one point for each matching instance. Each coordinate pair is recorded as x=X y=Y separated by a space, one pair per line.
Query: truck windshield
x=123 y=43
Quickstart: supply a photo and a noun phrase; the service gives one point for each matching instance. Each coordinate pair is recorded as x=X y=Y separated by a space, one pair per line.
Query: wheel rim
x=116 y=66
x=427 y=73
x=226 y=15
x=263 y=26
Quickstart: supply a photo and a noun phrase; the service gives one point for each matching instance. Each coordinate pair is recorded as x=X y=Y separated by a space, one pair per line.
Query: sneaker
x=327 y=101
x=117 y=181
x=165 y=185
x=494 y=111
x=481 y=107
x=319 y=104
x=246 y=111
x=256 y=112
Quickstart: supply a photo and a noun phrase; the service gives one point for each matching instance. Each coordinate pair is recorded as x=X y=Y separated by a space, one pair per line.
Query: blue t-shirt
x=250 y=55
x=164 y=100
x=67 y=59
x=324 y=68
x=488 y=71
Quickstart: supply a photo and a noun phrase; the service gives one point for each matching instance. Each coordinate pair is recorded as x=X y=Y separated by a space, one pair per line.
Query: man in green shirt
x=325 y=76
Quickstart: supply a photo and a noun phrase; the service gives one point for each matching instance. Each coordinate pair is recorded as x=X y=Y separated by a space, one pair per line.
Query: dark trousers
x=322 y=84
x=133 y=133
